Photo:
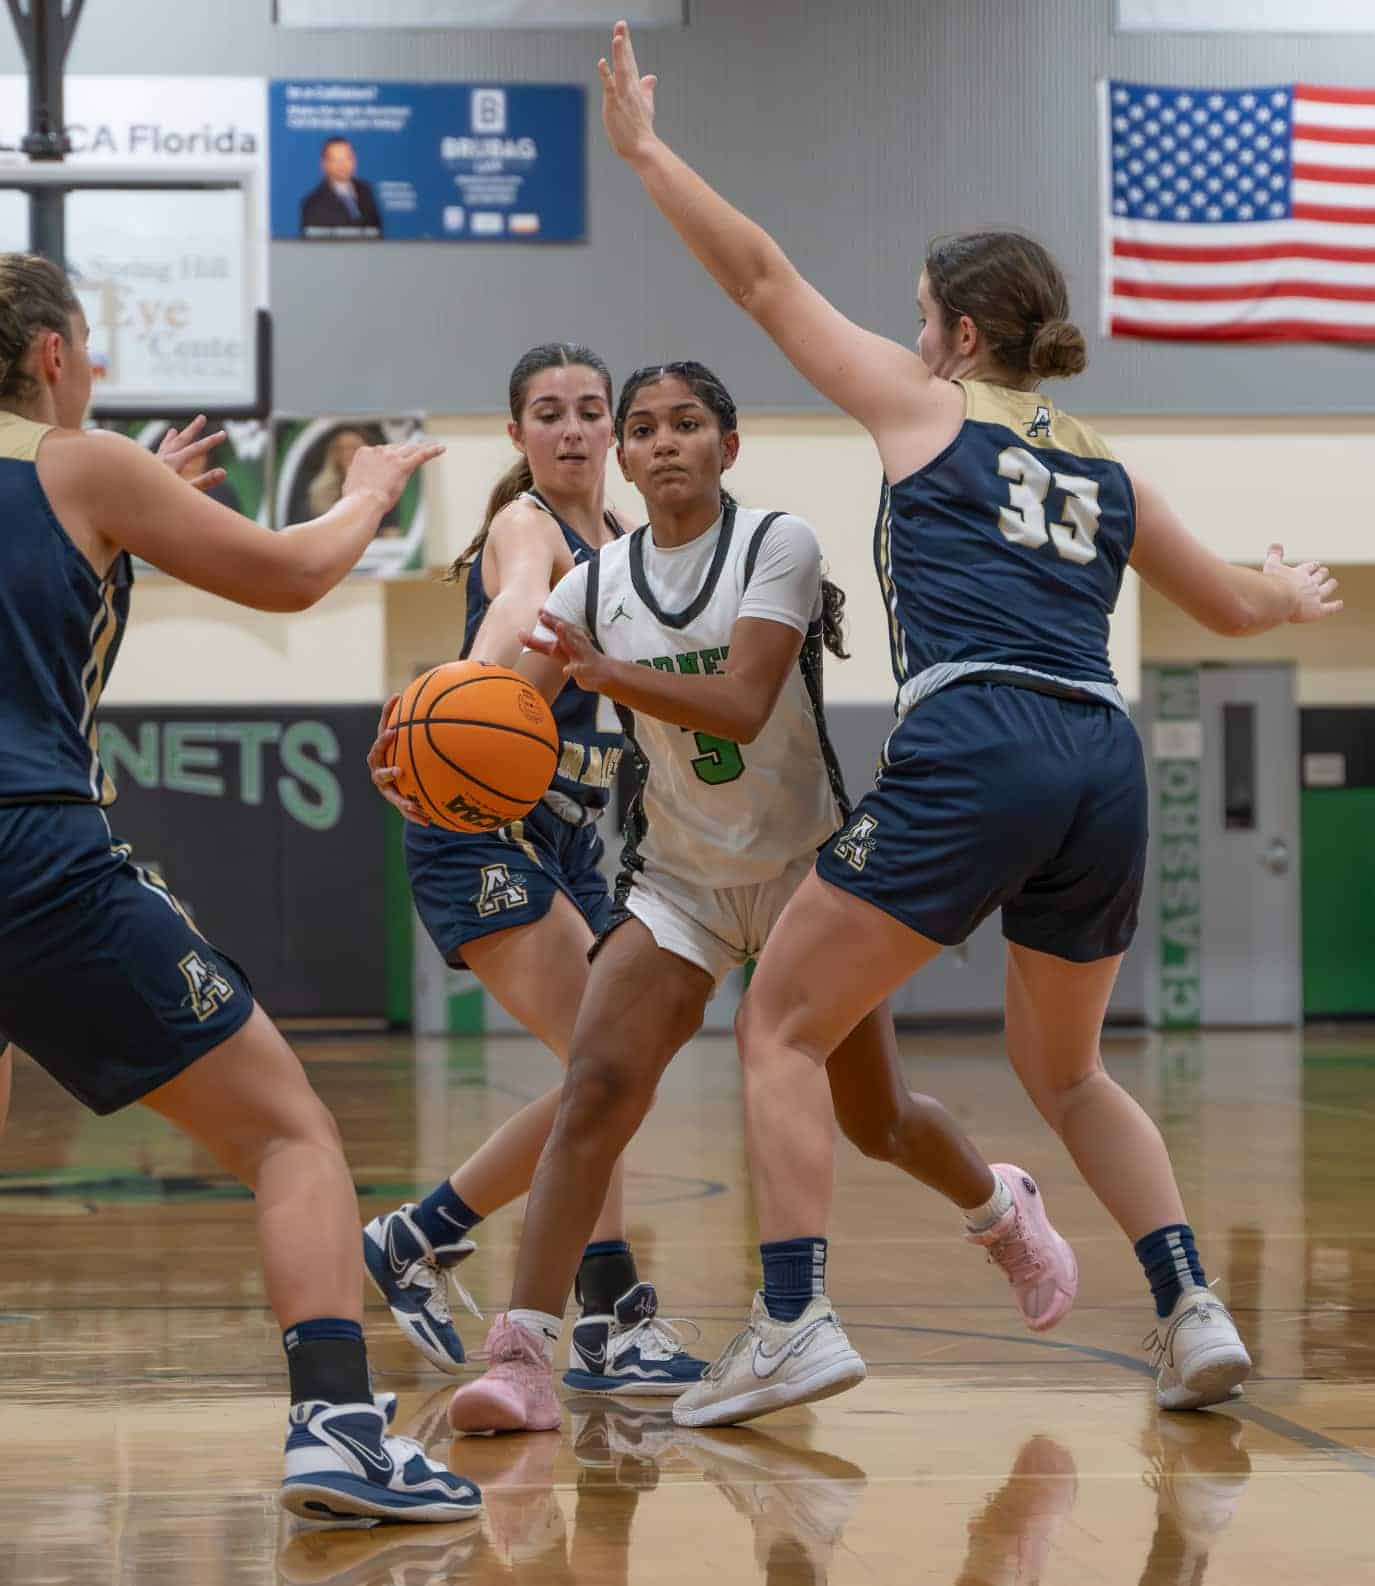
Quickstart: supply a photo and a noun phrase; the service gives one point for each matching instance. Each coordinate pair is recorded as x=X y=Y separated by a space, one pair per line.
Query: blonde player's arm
x=1236 y=601
x=112 y=490
x=882 y=384
x=521 y=564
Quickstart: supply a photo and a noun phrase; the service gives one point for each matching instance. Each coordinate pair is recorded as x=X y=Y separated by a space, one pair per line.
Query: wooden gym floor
x=142 y=1403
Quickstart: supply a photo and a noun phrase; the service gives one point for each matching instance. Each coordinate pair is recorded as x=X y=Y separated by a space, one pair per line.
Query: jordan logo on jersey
x=856 y=843
x=500 y=890
x=620 y=611
x=208 y=988
x=1040 y=425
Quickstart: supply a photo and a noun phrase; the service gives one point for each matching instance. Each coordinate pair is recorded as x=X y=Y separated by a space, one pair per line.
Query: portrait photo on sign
x=427 y=162
x=312 y=458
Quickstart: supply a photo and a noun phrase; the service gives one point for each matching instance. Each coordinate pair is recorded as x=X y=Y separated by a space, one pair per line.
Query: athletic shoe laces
x=657 y=1337
x=717 y=1369
x=438 y=1281
x=1016 y=1254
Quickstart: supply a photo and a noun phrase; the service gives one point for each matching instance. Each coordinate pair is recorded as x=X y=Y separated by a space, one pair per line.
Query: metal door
x=1252 y=964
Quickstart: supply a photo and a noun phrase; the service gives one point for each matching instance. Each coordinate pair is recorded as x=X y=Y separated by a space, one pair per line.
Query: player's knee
x=603 y=1096
x=878 y=1138
x=1057 y=1092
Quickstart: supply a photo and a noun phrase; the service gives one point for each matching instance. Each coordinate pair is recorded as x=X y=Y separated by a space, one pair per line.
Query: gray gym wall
x=852 y=128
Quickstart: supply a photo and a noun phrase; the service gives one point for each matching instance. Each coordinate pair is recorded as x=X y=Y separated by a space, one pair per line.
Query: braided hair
x=711 y=392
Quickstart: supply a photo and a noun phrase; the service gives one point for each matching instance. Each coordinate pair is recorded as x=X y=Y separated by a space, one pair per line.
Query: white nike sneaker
x=1199 y=1356
x=769 y=1365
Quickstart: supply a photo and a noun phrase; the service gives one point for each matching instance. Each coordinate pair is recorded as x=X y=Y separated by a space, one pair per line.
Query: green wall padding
x=1338 y=901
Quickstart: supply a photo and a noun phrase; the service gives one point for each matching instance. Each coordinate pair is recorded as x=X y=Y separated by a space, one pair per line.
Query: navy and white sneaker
x=342 y=1466
x=632 y=1351
x=413 y=1277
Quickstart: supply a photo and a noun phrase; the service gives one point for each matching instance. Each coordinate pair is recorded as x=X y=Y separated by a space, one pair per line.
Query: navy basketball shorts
x=104 y=980
x=997 y=797
x=468 y=885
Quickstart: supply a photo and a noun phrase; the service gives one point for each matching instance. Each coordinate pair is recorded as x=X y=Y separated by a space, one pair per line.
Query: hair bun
x=1058 y=350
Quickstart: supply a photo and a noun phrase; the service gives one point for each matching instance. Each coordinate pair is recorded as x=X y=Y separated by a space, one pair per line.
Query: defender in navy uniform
x=104 y=979
x=522 y=906
x=1014 y=780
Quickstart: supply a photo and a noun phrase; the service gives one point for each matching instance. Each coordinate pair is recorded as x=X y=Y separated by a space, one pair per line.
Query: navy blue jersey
x=60 y=630
x=1006 y=552
x=590 y=739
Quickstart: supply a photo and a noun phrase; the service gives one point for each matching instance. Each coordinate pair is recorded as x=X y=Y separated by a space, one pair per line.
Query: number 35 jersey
x=711 y=812
x=1006 y=552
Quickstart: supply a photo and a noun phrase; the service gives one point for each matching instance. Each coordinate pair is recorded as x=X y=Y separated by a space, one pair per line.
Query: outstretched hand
x=384 y=775
x=627 y=97
x=566 y=642
x=1311 y=584
x=186 y=449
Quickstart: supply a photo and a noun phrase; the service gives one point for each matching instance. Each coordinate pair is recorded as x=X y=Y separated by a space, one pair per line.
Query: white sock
x=542 y=1325
x=977 y=1218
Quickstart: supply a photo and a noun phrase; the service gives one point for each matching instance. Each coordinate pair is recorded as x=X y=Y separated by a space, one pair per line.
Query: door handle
x=1276 y=857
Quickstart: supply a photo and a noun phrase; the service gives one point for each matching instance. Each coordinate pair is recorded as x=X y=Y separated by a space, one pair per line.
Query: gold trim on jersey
x=897 y=637
x=20 y=437
x=514 y=832
x=104 y=627
x=1033 y=418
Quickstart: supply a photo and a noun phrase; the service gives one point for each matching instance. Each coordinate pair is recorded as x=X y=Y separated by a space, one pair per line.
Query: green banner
x=1177 y=750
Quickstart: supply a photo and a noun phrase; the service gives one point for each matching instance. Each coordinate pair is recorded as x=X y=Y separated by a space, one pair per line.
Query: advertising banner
x=451 y=162
x=312 y=458
x=158 y=122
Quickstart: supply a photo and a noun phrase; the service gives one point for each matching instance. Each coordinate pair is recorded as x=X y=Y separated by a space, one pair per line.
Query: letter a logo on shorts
x=208 y=987
x=500 y=891
x=856 y=843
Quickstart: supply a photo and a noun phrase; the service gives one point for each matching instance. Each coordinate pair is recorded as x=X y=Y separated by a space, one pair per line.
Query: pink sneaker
x=515 y=1393
x=1039 y=1264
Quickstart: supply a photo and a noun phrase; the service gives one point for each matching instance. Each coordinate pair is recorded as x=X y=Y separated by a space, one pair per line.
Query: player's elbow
x=761 y=293
x=747 y=727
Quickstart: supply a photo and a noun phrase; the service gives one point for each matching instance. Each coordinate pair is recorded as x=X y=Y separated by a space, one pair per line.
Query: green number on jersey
x=720 y=760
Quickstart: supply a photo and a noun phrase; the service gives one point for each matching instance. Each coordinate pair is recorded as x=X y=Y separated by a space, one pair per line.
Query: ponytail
x=510 y=487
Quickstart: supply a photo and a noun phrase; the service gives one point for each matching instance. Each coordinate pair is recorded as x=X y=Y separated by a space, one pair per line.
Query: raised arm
x=110 y=490
x=526 y=550
x=1236 y=601
x=882 y=384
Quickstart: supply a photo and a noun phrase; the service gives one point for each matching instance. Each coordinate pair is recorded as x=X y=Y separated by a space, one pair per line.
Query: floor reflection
x=798 y=1501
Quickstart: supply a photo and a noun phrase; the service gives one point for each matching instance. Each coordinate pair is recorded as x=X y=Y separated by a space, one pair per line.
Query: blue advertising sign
x=447 y=162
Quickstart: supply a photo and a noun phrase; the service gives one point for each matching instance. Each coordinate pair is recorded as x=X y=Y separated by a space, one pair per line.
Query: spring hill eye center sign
x=364 y=161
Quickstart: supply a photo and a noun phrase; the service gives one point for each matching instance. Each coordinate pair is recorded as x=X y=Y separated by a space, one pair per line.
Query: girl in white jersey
x=706 y=628
x=527 y=935
x=1014 y=779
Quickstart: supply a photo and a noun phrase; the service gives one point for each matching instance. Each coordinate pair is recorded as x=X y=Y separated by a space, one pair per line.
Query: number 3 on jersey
x=720 y=760
x=1024 y=521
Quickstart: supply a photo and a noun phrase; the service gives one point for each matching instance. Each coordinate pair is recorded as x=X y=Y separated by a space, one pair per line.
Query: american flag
x=1239 y=214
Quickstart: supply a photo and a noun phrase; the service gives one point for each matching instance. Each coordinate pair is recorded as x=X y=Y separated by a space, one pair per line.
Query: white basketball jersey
x=715 y=813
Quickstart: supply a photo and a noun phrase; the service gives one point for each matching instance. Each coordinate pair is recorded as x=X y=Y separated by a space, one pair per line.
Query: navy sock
x=1170 y=1260
x=794 y=1274
x=445 y=1218
x=327 y=1360
x=606 y=1273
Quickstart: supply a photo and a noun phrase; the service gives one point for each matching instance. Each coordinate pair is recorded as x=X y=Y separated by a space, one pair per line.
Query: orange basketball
x=476 y=745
